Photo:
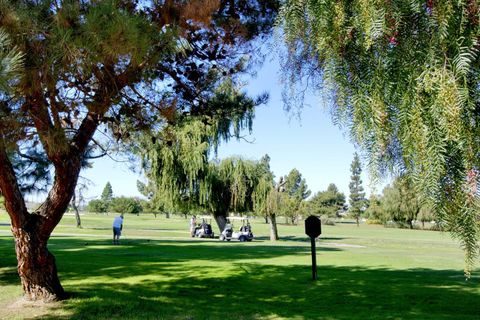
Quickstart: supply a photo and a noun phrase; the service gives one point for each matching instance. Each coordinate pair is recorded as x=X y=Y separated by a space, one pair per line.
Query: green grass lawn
x=159 y=272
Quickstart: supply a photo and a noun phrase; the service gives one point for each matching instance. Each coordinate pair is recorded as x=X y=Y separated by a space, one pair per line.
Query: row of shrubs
x=433 y=226
x=118 y=204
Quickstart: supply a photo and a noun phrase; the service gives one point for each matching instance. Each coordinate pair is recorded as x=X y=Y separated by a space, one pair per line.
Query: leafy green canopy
x=122 y=65
x=96 y=72
x=404 y=79
x=176 y=158
x=400 y=202
x=184 y=179
x=296 y=186
x=327 y=202
x=125 y=205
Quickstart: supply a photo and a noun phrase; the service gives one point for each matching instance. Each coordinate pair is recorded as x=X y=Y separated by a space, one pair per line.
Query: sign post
x=313 y=228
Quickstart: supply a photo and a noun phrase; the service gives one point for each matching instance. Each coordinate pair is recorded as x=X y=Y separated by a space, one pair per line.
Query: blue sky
x=312 y=144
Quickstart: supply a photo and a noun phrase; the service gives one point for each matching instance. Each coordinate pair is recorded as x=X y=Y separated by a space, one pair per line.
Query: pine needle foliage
x=11 y=60
x=403 y=77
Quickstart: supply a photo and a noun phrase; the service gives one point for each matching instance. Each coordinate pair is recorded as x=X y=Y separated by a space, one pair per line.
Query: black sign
x=313 y=227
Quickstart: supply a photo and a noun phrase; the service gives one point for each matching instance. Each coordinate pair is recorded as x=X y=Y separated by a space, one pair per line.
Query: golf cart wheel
x=242 y=239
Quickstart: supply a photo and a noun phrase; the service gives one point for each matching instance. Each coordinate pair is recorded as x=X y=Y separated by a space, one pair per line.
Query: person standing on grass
x=117 y=228
x=193 y=225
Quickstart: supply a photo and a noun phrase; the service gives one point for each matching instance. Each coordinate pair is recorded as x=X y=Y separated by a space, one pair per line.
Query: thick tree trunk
x=221 y=220
x=36 y=266
x=357 y=218
x=273 y=228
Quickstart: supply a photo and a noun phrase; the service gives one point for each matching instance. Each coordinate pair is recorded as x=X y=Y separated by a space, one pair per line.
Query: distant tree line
x=400 y=206
x=109 y=203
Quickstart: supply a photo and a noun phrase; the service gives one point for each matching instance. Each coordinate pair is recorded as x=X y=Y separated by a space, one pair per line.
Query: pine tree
x=357 y=195
x=107 y=193
x=120 y=66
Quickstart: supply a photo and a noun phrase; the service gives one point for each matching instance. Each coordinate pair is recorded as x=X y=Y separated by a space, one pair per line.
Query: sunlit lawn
x=159 y=272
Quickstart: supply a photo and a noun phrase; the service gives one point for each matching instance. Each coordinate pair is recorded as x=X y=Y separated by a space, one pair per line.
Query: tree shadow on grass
x=108 y=260
x=9 y=276
x=267 y=291
x=8 y=262
x=252 y=290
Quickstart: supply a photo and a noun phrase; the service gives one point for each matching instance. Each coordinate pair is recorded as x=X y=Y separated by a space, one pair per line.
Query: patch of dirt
x=336 y=244
x=24 y=309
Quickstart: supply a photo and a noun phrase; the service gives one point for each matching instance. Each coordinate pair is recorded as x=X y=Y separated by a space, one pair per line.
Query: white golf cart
x=242 y=235
x=204 y=229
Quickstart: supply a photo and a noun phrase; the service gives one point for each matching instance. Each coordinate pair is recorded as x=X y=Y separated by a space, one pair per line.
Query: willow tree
x=400 y=203
x=268 y=196
x=116 y=65
x=232 y=187
x=403 y=76
x=183 y=179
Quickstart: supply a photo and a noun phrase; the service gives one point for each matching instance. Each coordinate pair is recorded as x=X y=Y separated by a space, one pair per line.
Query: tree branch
x=14 y=202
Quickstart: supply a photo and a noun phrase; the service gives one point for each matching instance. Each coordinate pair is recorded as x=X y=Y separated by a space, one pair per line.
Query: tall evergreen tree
x=118 y=66
x=357 y=195
x=295 y=185
x=296 y=191
x=107 y=193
